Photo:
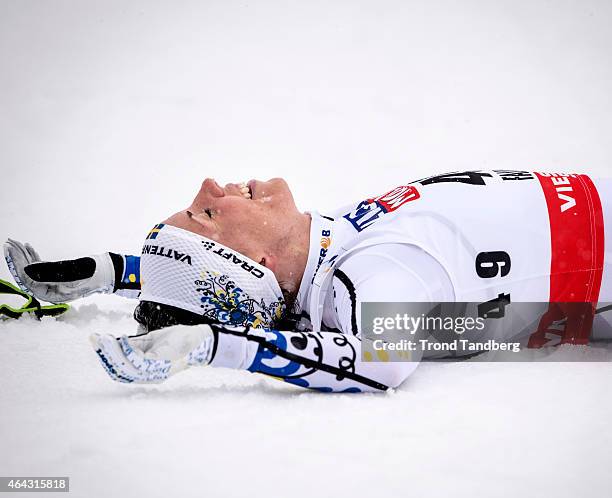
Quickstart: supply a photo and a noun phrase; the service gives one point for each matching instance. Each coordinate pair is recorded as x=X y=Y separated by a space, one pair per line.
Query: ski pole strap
x=31 y=306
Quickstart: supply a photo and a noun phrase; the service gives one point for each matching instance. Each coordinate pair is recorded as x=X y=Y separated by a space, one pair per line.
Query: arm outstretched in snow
x=61 y=281
x=324 y=361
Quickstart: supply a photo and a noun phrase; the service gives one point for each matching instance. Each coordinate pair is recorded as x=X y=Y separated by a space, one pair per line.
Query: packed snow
x=112 y=113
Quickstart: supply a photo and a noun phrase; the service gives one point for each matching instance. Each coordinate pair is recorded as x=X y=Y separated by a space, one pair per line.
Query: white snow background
x=113 y=112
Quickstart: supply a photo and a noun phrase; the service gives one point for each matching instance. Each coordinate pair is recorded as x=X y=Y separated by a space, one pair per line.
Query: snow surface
x=112 y=112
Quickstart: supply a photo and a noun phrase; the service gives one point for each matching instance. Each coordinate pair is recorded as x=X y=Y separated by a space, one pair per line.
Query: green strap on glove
x=31 y=306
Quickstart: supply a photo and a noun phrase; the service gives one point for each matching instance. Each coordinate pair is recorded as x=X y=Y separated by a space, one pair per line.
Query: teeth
x=245 y=191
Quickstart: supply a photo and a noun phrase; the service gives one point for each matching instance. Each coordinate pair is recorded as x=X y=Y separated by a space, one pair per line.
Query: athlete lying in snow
x=243 y=259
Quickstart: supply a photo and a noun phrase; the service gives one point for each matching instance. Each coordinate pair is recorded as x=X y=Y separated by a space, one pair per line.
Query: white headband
x=188 y=271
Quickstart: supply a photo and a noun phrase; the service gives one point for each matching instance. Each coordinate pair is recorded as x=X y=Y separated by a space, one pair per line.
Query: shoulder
x=384 y=273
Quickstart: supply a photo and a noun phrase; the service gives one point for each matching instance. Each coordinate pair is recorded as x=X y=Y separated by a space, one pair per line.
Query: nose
x=209 y=190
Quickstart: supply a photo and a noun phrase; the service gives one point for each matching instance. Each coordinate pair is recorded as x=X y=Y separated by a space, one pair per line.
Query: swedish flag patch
x=154 y=231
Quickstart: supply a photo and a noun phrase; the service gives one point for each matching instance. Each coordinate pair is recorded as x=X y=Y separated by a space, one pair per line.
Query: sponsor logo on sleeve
x=369 y=211
x=325 y=243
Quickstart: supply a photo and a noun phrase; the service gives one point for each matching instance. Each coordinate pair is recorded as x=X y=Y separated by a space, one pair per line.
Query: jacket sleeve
x=324 y=361
x=127 y=275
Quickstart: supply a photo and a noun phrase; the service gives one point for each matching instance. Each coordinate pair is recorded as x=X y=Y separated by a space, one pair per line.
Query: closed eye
x=207 y=211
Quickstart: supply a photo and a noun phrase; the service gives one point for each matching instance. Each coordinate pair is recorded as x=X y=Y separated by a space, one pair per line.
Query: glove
x=59 y=281
x=156 y=356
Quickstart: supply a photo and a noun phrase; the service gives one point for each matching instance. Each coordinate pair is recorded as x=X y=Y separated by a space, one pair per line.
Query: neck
x=293 y=257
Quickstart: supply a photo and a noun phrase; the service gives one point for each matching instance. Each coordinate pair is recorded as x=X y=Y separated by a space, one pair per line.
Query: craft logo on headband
x=241 y=261
x=191 y=272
